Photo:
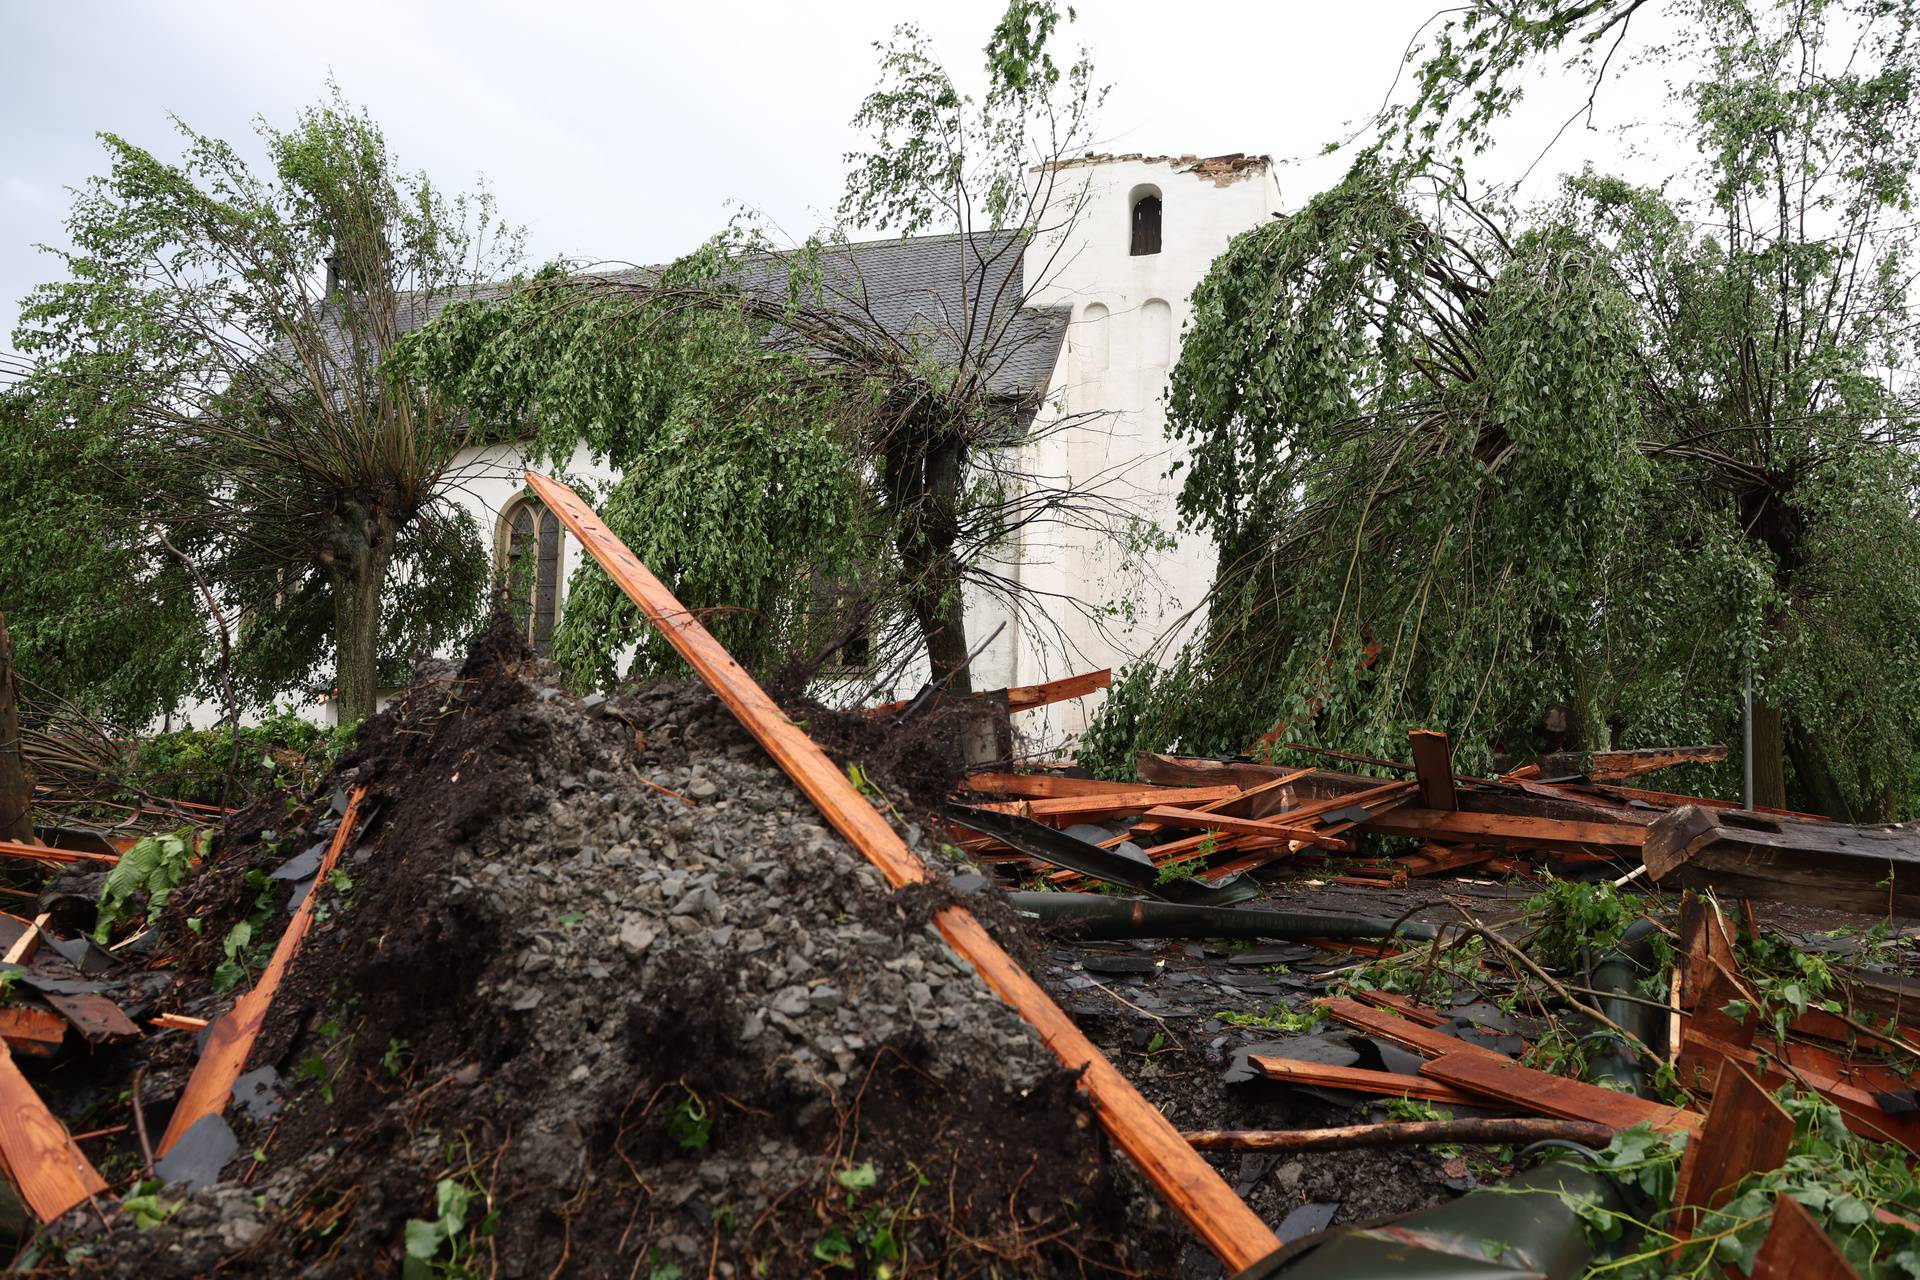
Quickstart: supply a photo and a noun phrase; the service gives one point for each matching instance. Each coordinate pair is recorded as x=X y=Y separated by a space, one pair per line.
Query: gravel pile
x=601 y=967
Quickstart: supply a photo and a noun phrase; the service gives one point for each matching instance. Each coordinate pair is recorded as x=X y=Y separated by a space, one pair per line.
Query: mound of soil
x=599 y=994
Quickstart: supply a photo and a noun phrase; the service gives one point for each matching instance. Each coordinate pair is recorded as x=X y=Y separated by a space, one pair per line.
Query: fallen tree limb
x=1191 y=1187
x=1411 y=1134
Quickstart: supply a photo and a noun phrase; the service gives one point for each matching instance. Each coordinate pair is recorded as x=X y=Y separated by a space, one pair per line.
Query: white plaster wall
x=1128 y=314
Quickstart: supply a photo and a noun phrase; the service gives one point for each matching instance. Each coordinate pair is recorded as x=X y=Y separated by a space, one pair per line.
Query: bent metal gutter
x=1191 y=1186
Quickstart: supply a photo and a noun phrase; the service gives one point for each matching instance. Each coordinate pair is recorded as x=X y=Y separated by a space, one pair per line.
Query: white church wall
x=1128 y=312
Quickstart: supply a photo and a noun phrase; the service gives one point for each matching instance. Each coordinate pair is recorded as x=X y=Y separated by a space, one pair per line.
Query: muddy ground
x=595 y=992
x=600 y=969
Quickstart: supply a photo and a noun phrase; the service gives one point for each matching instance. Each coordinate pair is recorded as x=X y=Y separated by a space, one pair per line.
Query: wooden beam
x=1492 y=1076
x=1191 y=1187
x=1875 y=869
x=1430 y=823
x=1433 y=767
x=224 y=1056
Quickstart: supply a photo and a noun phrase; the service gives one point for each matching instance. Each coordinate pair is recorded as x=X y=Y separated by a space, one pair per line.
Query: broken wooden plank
x=1387 y=1084
x=1433 y=769
x=1618 y=766
x=1495 y=1077
x=1746 y=1132
x=43 y=853
x=1398 y=1030
x=1191 y=1187
x=177 y=1022
x=1401 y=1005
x=1798 y=1248
x=1875 y=870
x=1432 y=823
x=224 y=1055
x=51 y=1173
x=1041 y=695
x=28 y=942
x=1237 y=800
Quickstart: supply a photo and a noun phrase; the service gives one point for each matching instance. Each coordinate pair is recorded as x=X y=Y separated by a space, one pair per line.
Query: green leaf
x=860 y=1177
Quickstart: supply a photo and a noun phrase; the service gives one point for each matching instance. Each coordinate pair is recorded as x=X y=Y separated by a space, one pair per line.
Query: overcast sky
x=624 y=131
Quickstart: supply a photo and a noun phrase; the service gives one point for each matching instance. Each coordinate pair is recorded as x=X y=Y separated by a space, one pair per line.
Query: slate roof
x=947 y=292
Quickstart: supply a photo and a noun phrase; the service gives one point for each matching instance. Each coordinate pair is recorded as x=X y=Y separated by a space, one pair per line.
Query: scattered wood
x=1192 y=1187
x=1738 y=852
x=1172 y=815
x=1415 y=1133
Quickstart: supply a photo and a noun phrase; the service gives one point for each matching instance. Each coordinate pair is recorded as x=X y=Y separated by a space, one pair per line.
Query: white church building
x=1107 y=294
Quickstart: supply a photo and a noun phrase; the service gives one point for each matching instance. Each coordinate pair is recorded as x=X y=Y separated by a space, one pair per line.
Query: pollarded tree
x=780 y=418
x=200 y=350
x=1464 y=463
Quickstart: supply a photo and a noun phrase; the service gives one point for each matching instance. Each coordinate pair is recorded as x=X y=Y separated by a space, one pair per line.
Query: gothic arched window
x=530 y=565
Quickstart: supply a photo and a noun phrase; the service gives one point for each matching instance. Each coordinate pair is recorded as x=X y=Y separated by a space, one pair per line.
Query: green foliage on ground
x=155 y=866
x=282 y=752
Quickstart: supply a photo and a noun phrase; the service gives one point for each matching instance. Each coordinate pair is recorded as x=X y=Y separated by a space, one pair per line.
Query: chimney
x=333 y=276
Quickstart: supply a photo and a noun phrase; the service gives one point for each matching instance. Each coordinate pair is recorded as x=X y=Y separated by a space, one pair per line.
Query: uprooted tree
x=232 y=392
x=779 y=420
x=1464 y=462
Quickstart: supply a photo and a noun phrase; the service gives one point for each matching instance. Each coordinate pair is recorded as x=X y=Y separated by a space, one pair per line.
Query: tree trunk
x=1769 y=756
x=923 y=479
x=1822 y=790
x=16 y=783
x=357 y=572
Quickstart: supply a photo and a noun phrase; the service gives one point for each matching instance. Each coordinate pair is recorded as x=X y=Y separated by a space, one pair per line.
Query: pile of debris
x=648 y=985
